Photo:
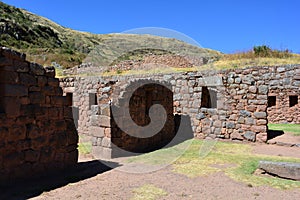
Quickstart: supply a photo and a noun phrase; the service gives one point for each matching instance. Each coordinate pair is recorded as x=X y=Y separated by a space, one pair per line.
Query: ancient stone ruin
x=37 y=131
x=228 y=104
x=128 y=115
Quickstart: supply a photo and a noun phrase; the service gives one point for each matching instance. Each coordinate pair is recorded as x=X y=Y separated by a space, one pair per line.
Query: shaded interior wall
x=136 y=140
x=37 y=132
x=86 y=92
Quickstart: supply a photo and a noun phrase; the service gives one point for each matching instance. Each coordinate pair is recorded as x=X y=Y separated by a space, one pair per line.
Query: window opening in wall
x=293 y=100
x=271 y=101
x=92 y=99
x=208 y=98
x=69 y=99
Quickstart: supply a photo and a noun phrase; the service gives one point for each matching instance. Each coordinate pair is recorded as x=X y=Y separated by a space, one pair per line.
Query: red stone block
x=9 y=77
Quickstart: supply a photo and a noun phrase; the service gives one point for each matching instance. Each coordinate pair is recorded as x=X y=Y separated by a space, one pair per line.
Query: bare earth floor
x=115 y=184
x=95 y=181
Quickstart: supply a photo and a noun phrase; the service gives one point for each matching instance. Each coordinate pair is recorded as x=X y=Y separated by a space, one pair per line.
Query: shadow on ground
x=35 y=187
x=274 y=133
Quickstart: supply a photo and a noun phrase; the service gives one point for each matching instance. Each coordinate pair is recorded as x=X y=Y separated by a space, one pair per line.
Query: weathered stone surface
x=50 y=71
x=243 y=94
x=281 y=169
x=260 y=115
x=14 y=90
x=253 y=89
x=263 y=89
x=249 y=135
x=106 y=89
x=35 y=133
x=97 y=131
x=245 y=113
x=100 y=120
x=200 y=116
x=230 y=125
x=37 y=69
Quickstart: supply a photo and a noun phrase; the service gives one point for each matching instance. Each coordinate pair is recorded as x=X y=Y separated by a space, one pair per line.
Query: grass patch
x=148 y=192
x=225 y=63
x=85 y=148
x=291 y=128
x=162 y=156
x=238 y=160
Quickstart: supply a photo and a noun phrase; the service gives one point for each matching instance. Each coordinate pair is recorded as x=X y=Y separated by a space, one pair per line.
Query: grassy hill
x=46 y=42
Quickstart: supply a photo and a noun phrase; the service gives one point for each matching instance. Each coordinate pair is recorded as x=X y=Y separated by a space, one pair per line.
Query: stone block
x=249 y=135
x=31 y=156
x=259 y=129
x=105 y=110
x=11 y=106
x=260 y=115
x=9 y=77
x=245 y=113
x=281 y=169
x=58 y=100
x=14 y=90
x=200 y=116
x=281 y=69
x=36 y=98
x=50 y=71
x=27 y=79
x=253 y=89
x=261 y=122
x=16 y=132
x=101 y=152
x=248 y=79
x=263 y=89
x=235 y=135
x=100 y=120
x=96 y=131
x=106 y=142
x=249 y=121
x=230 y=125
x=53 y=82
x=37 y=69
x=95 y=110
x=217 y=124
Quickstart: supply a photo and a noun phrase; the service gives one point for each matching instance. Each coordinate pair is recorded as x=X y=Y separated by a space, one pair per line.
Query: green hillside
x=46 y=42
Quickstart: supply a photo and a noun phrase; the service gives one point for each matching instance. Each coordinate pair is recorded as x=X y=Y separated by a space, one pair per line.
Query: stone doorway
x=144 y=113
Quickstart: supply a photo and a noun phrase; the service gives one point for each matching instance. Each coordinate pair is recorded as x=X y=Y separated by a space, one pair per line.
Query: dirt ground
x=99 y=182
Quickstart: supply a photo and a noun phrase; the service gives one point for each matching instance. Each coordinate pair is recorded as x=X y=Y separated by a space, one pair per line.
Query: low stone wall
x=228 y=104
x=37 y=132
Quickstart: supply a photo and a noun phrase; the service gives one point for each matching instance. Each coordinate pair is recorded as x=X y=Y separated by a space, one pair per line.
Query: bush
x=262 y=51
x=266 y=51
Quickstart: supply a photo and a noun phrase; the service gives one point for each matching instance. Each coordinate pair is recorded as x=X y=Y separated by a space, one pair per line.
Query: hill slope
x=46 y=42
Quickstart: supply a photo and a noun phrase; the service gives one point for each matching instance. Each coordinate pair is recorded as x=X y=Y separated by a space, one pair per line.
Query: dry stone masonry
x=41 y=115
x=37 y=132
x=229 y=104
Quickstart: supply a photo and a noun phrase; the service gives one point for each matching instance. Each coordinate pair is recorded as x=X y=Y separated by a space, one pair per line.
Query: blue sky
x=227 y=26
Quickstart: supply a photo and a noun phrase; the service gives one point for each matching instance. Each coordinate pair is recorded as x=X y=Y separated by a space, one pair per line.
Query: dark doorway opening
x=293 y=100
x=93 y=100
x=209 y=97
x=271 y=101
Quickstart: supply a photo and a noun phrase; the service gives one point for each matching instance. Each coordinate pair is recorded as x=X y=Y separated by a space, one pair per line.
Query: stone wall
x=228 y=104
x=37 y=132
x=284 y=98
